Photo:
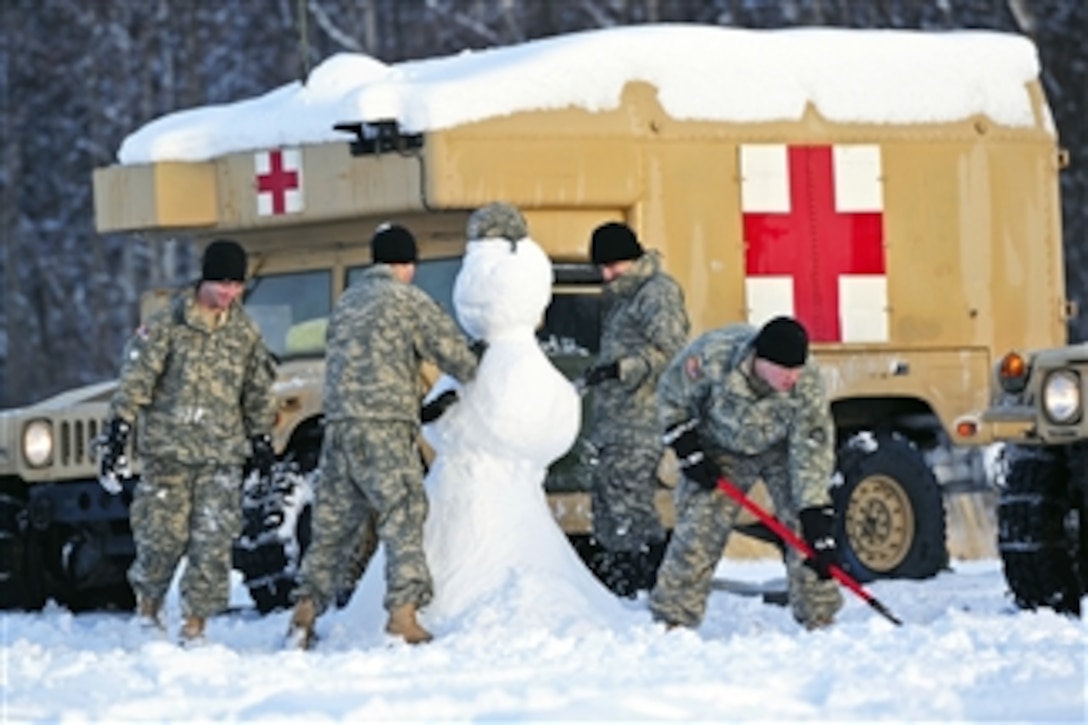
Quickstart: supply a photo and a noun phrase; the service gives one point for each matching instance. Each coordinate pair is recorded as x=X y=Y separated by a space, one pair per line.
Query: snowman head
x=505 y=282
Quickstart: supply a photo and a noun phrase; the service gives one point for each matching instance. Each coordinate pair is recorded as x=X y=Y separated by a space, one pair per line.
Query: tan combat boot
x=149 y=612
x=819 y=622
x=402 y=622
x=300 y=633
x=192 y=631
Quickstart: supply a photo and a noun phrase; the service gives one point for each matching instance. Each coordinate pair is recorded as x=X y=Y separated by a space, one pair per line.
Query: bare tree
x=9 y=182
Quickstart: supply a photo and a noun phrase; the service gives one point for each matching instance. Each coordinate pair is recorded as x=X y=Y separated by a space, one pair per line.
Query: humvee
x=906 y=212
x=1038 y=410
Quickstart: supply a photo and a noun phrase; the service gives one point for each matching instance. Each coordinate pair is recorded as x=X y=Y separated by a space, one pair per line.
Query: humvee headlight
x=1061 y=396
x=38 y=443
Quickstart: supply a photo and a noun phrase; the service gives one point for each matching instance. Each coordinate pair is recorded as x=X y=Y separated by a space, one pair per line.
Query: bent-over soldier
x=747 y=404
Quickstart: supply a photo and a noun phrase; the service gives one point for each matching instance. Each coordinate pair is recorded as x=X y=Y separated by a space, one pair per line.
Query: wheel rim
x=880 y=523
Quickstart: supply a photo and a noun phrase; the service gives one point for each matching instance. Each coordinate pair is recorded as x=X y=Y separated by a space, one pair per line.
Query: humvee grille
x=74 y=442
x=74 y=452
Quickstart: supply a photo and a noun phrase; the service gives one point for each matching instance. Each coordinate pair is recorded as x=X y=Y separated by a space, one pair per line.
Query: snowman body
x=492 y=544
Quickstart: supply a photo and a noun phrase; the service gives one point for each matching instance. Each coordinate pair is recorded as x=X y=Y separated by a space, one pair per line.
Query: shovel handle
x=729 y=489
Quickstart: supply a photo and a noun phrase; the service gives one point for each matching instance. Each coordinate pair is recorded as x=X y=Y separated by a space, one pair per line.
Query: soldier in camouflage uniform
x=199 y=378
x=643 y=326
x=747 y=405
x=381 y=332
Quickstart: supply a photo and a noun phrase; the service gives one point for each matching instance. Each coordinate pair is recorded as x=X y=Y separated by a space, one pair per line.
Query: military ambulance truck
x=896 y=191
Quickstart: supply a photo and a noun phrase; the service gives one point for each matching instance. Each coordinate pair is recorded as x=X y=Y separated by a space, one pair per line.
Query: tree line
x=77 y=76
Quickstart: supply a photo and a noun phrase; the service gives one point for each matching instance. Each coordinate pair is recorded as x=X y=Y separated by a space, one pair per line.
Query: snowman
x=495 y=552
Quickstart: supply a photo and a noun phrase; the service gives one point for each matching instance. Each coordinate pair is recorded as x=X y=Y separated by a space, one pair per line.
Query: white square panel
x=858 y=178
x=768 y=297
x=863 y=307
x=765 y=178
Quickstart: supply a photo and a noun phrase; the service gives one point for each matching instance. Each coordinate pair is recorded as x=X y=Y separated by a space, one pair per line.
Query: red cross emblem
x=279 y=181
x=813 y=226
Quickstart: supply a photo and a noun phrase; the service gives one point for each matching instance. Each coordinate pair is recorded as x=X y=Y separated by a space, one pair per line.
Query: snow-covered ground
x=964 y=653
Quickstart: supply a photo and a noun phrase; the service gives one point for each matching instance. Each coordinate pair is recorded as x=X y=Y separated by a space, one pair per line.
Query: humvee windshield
x=292 y=309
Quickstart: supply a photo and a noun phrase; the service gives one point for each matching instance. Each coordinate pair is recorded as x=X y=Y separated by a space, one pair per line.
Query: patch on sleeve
x=693 y=368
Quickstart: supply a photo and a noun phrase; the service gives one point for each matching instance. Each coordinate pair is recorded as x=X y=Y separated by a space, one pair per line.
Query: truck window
x=433 y=276
x=292 y=310
x=572 y=322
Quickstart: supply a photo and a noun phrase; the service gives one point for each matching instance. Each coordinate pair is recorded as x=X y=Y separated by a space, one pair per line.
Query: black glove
x=695 y=464
x=817 y=527
x=112 y=460
x=263 y=456
x=599 y=373
x=433 y=410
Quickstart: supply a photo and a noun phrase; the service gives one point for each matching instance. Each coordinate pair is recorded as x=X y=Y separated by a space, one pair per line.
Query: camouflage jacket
x=712 y=380
x=202 y=391
x=643 y=325
x=380 y=334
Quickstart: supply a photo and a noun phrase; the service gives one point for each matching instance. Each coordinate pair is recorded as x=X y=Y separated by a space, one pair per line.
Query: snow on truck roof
x=701 y=73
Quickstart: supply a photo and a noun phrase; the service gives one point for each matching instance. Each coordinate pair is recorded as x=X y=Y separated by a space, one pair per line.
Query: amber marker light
x=966 y=428
x=1013 y=372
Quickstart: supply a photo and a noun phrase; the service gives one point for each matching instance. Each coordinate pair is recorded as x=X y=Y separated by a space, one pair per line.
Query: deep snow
x=701 y=72
x=964 y=653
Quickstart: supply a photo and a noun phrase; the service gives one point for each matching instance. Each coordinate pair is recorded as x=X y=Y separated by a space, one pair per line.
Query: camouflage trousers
x=704 y=521
x=624 y=483
x=192 y=511
x=370 y=478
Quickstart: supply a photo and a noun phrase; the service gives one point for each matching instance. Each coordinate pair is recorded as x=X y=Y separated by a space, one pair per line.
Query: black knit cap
x=784 y=342
x=393 y=244
x=224 y=261
x=614 y=242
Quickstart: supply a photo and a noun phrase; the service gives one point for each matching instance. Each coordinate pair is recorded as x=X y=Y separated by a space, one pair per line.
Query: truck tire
x=89 y=578
x=275 y=533
x=111 y=597
x=890 y=518
x=1040 y=533
x=21 y=585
